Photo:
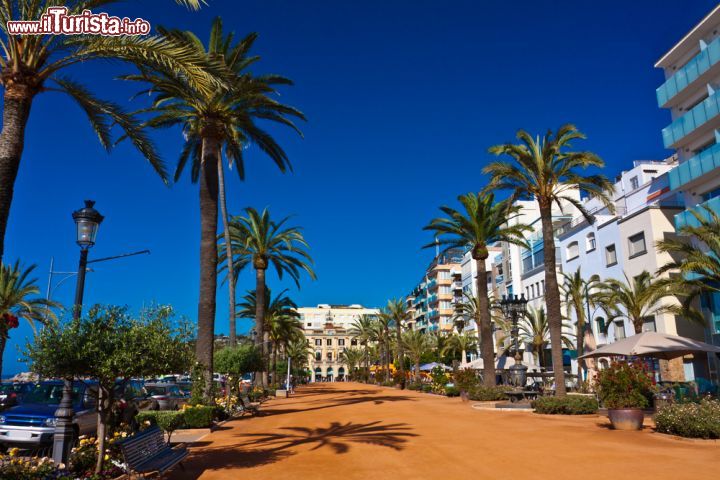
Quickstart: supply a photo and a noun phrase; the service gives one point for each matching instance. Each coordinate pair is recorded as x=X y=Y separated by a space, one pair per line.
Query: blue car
x=32 y=423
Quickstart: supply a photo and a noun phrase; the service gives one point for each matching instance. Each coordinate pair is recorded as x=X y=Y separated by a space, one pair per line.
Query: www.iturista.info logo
x=57 y=21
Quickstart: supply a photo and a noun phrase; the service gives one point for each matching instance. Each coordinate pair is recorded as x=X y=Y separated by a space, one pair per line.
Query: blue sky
x=403 y=98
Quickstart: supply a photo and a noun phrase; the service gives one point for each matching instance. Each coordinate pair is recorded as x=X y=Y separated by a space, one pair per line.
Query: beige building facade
x=327 y=328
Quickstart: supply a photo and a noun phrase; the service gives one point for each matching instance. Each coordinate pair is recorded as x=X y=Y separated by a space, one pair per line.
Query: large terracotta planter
x=626 y=418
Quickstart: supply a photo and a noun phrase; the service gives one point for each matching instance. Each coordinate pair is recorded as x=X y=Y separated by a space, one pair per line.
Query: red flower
x=10 y=320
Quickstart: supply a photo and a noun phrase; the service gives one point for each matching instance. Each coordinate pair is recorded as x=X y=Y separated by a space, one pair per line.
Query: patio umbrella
x=429 y=366
x=500 y=363
x=653 y=344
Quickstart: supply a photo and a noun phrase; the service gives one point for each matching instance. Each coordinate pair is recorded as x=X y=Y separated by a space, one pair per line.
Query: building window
x=600 y=324
x=445 y=304
x=527 y=292
x=341 y=342
x=329 y=356
x=573 y=250
x=318 y=342
x=443 y=275
x=318 y=356
x=619 y=330
x=353 y=342
x=636 y=244
x=444 y=288
x=610 y=255
x=329 y=342
x=532 y=291
x=649 y=324
x=309 y=324
x=590 y=242
x=542 y=282
x=634 y=183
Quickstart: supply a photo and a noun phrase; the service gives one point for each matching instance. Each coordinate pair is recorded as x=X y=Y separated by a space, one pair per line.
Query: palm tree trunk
x=580 y=342
x=16 y=111
x=486 y=339
x=401 y=352
x=208 y=260
x=274 y=363
x=228 y=254
x=260 y=319
x=552 y=297
x=3 y=341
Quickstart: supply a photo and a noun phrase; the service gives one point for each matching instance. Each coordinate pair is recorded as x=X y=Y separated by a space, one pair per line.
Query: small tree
x=237 y=361
x=109 y=345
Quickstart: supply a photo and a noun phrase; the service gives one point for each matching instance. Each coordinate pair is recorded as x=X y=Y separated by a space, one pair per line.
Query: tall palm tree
x=548 y=171
x=282 y=330
x=363 y=330
x=438 y=340
x=579 y=296
x=382 y=335
x=264 y=242
x=298 y=351
x=461 y=344
x=216 y=122
x=695 y=261
x=352 y=357
x=482 y=223
x=30 y=65
x=396 y=309
x=17 y=291
x=634 y=299
x=417 y=344
x=534 y=328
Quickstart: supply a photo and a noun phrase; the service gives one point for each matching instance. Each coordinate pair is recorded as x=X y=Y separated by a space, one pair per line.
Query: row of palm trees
x=210 y=92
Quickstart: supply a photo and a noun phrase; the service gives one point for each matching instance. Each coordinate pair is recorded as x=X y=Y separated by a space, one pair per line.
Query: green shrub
x=167 y=420
x=489 y=394
x=426 y=388
x=466 y=379
x=624 y=385
x=570 y=405
x=200 y=416
x=414 y=386
x=693 y=420
x=452 y=391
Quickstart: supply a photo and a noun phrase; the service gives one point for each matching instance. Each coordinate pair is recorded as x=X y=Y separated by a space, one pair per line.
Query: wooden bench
x=251 y=407
x=147 y=452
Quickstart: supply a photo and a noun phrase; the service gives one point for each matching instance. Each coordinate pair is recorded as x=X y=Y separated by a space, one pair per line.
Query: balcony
x=687 y=218
x=431 y=283
x=432 y=299
x=499 y=279
x=700 y=64
x=457 y=286
x=696 y=117
x=432 y=314
x=695 y=167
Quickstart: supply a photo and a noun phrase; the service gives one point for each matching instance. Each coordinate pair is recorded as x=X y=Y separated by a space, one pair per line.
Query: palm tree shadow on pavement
x=267 y=448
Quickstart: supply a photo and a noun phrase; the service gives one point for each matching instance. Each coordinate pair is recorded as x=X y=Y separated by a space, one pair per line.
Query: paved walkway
x=346 y=431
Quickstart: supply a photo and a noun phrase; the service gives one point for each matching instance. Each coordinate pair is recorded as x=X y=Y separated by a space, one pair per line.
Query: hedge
x=693 y=420
x=569 y=405
x=199 y=416
x=489 y=394
x=452 y=391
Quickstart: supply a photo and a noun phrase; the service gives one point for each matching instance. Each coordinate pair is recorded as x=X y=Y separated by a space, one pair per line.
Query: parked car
x=132 y=397
x=167 y=395
x=32 y=423
x=11 y=393
x=185 y=387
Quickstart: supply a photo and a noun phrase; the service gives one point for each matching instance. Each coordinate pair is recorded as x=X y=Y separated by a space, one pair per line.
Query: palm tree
x=634 y=300
x=534 y=328
x=438 y=340
x=262 y=241
x=362 y=330
x=482 y=224
x=16 y=292
x=417 y=344
x=382 y=336
x=297 y=350
x=282 y=330
x=215 y=122
x=695 y=261
x=31 y=65
x=548 y=171
x=579 y=296
x=461 y=344
x=352 y=357
x=396 y=310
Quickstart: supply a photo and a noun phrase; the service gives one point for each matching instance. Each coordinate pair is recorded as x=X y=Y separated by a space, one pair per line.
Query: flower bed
x=199 y=416
x=570 y=405
x=692 y=420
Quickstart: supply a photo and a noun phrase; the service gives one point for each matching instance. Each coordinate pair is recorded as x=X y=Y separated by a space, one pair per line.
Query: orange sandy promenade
x=345 y=431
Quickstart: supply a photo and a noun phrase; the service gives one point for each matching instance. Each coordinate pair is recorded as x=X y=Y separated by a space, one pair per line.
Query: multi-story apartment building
x=690 y=92
x=432 y=301
x=621 y=245
x=327 y=328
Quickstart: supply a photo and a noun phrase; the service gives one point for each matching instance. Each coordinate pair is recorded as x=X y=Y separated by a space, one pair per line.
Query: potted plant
x=465 y=379
x=625 y=389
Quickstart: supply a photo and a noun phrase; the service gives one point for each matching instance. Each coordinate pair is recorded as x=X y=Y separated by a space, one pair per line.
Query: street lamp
x=87 y=221
x=513 y=307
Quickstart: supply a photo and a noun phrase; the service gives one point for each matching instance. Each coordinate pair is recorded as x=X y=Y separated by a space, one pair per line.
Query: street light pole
x=87 y=221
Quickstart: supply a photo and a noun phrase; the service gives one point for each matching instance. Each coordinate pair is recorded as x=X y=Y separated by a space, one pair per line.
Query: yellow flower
x=107 y=457
x=13 y=451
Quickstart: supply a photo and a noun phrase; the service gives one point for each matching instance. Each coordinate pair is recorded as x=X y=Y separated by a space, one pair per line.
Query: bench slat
x=147 y=451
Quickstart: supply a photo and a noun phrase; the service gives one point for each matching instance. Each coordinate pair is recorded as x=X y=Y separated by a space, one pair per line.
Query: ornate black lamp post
x=87 y=221
x=513 y=307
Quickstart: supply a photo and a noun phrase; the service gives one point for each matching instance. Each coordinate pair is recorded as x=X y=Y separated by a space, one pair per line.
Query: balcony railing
x=432 y=299
x=694 y=118
x=687 y=218
x=457 y=286
x=702 y=163
x=499 y=279
x=431 y=283
x=700 y=63
x=432 y=314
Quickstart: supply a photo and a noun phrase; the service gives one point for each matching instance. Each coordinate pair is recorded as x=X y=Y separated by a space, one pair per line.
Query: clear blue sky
x=403 y=99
